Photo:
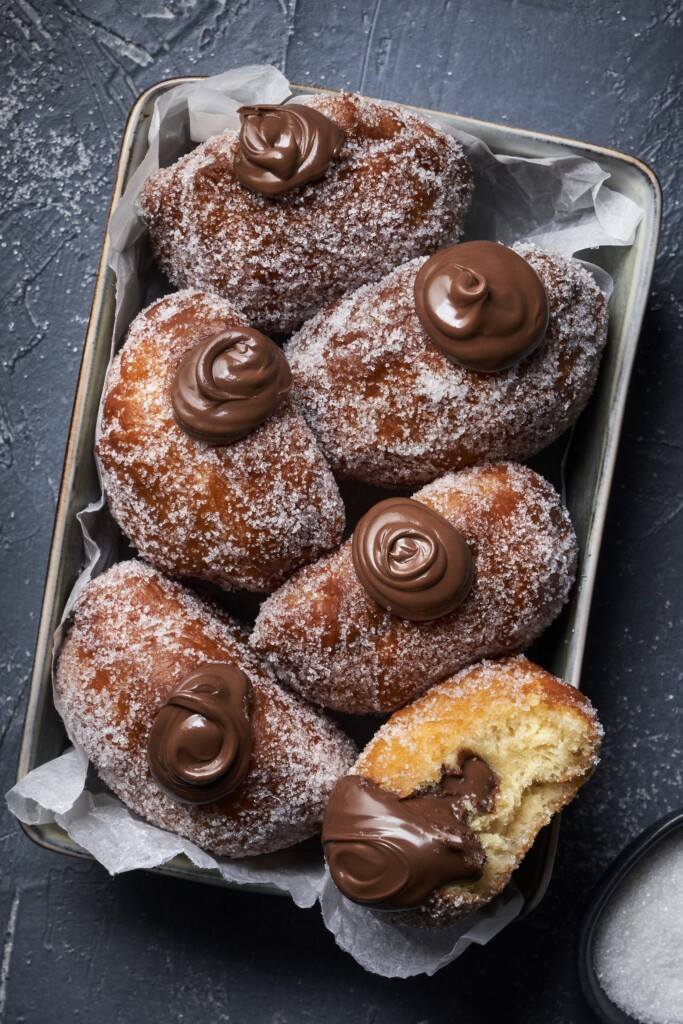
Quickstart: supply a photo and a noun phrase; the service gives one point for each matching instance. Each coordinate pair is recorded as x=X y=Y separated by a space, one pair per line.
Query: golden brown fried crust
x=135 y=635
x=328 y=639
x=540 y=736
x=241 y=515
x=389 y=408
x=399 y=188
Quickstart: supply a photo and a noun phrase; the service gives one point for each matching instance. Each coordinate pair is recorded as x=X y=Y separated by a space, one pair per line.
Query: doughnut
x=306 y=201
x=449 y=795
x=478 y=353
x=207 y=466
x=185 y=724
x=349 y=631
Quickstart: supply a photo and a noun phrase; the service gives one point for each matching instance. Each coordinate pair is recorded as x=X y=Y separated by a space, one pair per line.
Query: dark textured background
x=79 y=946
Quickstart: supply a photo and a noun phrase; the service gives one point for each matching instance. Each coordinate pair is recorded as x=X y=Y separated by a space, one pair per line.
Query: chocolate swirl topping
x=225 y=386
x=200 y=742
x=283 y=147
x=411 y=560
x=391 y=853
x=483 y=305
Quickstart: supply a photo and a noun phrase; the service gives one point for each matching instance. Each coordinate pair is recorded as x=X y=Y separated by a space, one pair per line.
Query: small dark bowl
x=601 y=1005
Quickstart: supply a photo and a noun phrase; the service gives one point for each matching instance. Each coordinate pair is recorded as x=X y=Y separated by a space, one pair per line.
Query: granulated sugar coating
x=241 y=515
x=328 y=639
x=387 y=406
x=399 y=188
x=135 y=635
x=638 y=954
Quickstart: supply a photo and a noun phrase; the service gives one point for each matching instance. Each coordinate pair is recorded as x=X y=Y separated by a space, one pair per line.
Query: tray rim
x=51 y=836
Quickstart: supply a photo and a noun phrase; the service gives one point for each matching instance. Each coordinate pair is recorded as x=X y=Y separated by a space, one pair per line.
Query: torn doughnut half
x=448 y=796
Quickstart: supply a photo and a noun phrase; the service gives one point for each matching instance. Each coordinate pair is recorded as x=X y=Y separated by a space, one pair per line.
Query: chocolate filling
x=411 y=560
x=199 y=746
x=282 y=147
x=228 y=384
x=482 y=304
x=391 y=853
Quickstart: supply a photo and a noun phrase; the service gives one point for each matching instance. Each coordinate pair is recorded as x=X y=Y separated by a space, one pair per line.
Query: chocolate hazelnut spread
x=482 y=304
x=199 y=746
x=228 y=384
x=282 y=147
x=391 y=853
x=411 y=560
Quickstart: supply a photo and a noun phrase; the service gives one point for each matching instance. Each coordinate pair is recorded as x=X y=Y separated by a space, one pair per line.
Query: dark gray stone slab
x=78 y=946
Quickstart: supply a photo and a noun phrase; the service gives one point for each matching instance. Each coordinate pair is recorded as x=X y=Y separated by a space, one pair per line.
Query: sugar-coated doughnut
x=395 y=188
x=329 y=639
x=244 y=513
x=391 y=406
x=449 y=795
x=146 y=657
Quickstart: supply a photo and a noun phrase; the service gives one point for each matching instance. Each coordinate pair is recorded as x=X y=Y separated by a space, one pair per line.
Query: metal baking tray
x=585 y=465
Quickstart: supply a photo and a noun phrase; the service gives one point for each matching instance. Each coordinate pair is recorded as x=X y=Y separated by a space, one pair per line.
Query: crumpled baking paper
x=562 y=204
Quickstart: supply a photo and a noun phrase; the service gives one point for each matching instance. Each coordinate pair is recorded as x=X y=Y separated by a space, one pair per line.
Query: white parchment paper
x=562 y=204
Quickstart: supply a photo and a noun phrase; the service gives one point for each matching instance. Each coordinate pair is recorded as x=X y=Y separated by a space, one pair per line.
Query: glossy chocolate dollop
x=282 y=147
x=482 y=304
x=411 y=560
x=228 y=384
x=199 y=745
x=391 y=853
